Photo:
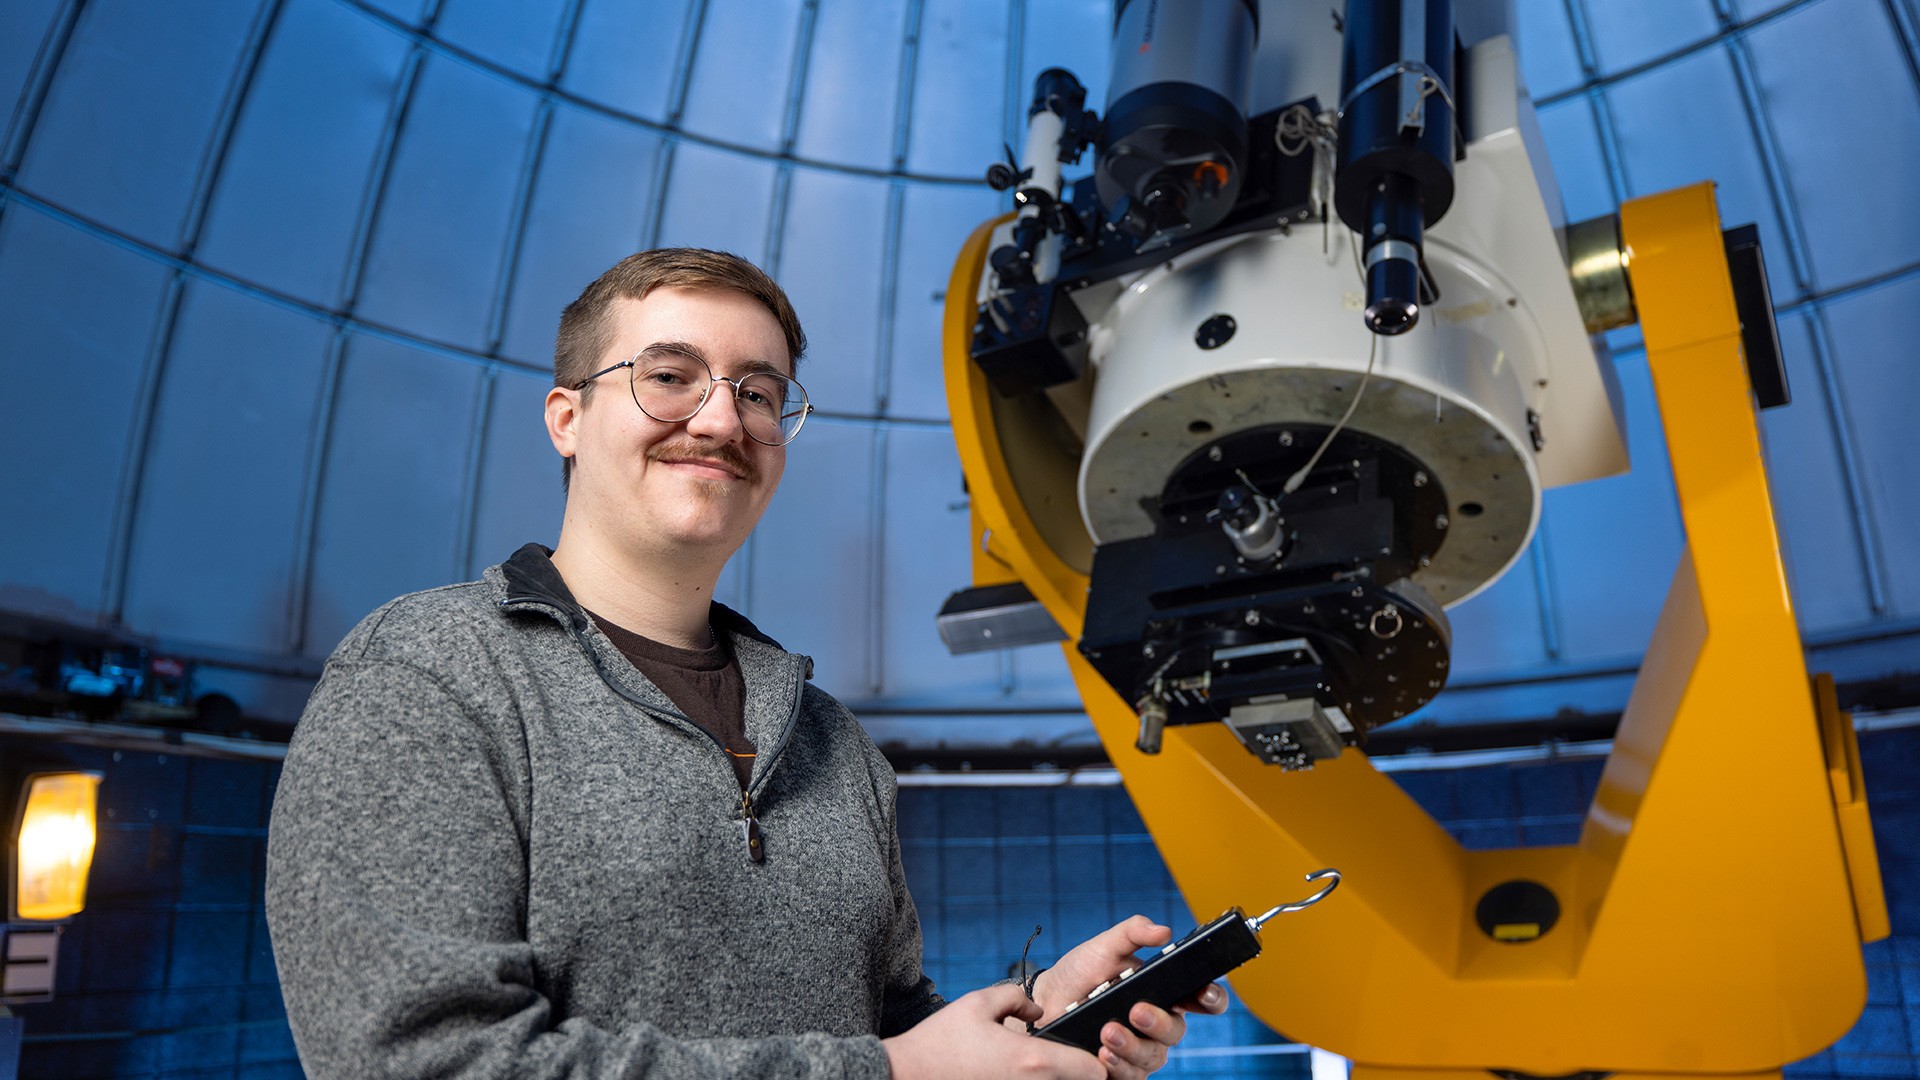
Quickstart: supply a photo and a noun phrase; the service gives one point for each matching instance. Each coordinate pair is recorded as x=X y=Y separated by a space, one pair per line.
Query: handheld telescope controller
x=1178 y=972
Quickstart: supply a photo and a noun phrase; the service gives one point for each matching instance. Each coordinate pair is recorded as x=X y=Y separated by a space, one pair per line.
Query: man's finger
x=1138 y=932
x=1064 y=1060
x=1159 y=1026
x=1007 y=1000
x=1119 y=1068
x=1212 y=1000
x=1146 y=1053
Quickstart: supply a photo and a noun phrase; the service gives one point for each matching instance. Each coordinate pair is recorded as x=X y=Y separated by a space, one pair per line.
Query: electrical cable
x=1293 y=482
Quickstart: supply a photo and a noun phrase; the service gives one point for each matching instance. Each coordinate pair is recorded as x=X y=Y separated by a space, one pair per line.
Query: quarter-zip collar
x=775 y=679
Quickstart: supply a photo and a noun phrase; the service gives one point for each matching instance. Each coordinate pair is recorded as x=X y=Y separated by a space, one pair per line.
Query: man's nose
x=719 y=415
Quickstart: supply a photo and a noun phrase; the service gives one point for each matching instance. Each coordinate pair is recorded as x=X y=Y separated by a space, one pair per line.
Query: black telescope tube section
x=1373 y=141
x=1393 y=255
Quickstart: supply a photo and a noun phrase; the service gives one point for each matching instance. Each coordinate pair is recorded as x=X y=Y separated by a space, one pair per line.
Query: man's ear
x=563 y=419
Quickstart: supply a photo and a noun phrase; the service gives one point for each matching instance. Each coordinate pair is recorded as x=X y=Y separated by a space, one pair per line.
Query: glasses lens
x=669 y=386
x=771 y=407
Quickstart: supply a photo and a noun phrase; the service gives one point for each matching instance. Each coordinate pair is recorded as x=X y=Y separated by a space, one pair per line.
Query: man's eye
x=662 y=377
x=757 y=398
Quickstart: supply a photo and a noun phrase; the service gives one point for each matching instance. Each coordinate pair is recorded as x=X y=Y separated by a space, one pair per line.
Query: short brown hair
x=586 y=326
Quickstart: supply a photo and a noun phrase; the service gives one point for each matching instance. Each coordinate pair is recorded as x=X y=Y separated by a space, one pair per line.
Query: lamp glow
x=54 y=847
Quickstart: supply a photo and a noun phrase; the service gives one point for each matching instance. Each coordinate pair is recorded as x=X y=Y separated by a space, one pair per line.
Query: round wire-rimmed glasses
x=671 y=385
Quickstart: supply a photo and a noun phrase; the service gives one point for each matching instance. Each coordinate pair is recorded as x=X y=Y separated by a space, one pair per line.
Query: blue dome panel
x=1579 y=162
x=448 y=206
x=716 y=199
x=1549 y=56
x=925 y=555
x=77 y=312
x=392 y=514
x=809 y=581
x=1880 y=390
x=1818 y=528
x=935 y=221
x=107 y=145
x=25 y=26
x=742 y=72
x=1611 y=545
x=519 y=498
x=958 y=132
x=522 y=36
x=1487 y=637
x=223 y=495
x=593 y=204
x=1628 y=33
x=849 y=108
x=632 y=58
x=1672 y=134
x=1852 y=186
x=833 y=261
x=293 y=188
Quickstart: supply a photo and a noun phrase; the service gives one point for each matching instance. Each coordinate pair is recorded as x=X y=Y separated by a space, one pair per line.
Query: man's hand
x=970 y=1040
x=1103 y=957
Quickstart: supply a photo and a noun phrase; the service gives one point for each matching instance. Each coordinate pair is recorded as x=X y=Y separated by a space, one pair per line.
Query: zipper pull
x=750 y=830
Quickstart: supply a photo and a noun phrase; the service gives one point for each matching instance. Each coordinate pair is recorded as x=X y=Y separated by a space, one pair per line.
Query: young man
x=577 y=819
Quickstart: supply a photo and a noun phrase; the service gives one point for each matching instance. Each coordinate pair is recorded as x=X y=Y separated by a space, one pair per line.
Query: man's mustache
x=725 y=455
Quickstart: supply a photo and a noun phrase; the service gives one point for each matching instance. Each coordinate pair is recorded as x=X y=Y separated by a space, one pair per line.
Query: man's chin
x=707 y=532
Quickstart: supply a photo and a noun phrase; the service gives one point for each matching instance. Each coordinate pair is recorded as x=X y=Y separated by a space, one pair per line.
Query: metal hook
x=1297 y=905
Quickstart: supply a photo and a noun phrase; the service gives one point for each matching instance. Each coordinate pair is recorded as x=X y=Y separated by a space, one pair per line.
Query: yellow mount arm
x=1712 y=911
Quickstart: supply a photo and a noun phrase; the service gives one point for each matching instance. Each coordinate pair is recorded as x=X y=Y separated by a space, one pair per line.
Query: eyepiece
x=1393 y=286
x=1394 y=236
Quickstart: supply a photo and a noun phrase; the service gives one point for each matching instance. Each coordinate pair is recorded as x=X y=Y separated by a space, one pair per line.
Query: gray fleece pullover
x=497 y=850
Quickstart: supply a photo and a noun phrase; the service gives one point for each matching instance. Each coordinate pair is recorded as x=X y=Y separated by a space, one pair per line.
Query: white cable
x=1293 y=482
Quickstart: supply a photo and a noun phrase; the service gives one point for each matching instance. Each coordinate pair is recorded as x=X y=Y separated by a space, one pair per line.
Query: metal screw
x=1253 y=618
x=1419 y=479
x=1213 y=454
x=1286 y=438
x=1221 y=569
x=1426 y=561
x=1439 y=521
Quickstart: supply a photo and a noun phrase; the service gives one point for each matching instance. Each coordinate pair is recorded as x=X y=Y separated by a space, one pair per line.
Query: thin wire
x=1293 y=482
x=1298 y=129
